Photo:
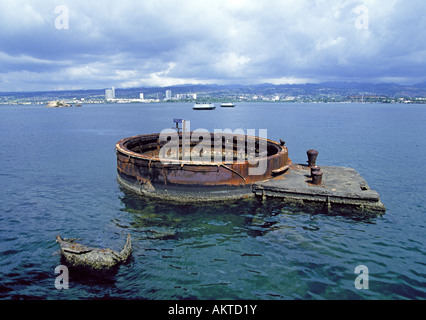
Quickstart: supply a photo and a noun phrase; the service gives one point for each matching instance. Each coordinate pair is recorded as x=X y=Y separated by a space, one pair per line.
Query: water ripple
x=236 y=250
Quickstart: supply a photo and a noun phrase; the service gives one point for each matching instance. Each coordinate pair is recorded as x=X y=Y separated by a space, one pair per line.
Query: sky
x=86 y=44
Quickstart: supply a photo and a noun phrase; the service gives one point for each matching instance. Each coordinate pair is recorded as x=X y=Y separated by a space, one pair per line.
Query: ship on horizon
x=203 y=106
x=227 y=104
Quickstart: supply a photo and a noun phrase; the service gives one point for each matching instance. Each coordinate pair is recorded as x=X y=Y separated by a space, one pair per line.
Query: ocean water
x=58 y=176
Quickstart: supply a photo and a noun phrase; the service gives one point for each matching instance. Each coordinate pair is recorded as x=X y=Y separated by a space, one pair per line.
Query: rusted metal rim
x=122 y=146
x=140 y=168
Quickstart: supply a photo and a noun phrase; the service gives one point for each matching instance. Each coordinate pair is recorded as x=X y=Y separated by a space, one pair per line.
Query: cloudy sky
x=88 y=44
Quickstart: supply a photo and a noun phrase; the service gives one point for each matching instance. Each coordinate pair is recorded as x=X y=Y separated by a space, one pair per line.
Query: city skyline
x=68 y=45
x=303 y=93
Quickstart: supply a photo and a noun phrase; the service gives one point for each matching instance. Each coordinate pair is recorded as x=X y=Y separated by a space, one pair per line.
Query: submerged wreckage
x=194 y=166
x=86 y=258
x=214 y=167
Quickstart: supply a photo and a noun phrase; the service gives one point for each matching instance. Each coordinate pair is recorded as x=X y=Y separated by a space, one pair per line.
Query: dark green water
x=58 y=175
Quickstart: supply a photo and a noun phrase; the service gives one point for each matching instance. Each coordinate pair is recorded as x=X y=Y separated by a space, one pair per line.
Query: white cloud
x=330 y=43
x=163 y=42
x=232 y=64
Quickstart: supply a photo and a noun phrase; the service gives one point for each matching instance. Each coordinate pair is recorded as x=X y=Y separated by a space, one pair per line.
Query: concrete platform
x=343 y=191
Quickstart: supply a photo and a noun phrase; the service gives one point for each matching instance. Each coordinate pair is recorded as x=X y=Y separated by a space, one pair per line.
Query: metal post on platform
x=315 y=169
x=177 y=121
x=185 y=137
x=317 y=178
x=312 y=157
x=186 y=149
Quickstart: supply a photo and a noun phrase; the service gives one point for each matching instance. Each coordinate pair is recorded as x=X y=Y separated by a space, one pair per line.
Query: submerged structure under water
x=193 y=166
x=213 y=167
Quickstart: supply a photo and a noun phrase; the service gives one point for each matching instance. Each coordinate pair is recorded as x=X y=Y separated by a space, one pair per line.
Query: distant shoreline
x=81 y=103
x=327 y=92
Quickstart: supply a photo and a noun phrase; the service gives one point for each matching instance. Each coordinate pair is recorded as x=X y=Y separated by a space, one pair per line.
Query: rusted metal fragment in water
x=85 y=258
x=140 y=168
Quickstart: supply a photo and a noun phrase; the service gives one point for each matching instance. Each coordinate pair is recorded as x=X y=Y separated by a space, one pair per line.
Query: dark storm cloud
x=142 y=43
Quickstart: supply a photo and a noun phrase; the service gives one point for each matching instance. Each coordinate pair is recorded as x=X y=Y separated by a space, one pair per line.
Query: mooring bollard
x=315 y=169
x=317 y=178
x=312 y=157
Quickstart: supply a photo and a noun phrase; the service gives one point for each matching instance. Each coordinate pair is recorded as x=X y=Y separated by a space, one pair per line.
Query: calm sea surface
x=58 y=176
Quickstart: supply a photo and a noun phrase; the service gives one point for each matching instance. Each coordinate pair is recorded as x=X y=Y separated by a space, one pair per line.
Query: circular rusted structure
x=221 y=169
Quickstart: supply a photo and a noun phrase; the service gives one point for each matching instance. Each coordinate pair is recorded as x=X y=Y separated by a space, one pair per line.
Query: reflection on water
x=155 y=218
x=232 y=250
x=158 y=219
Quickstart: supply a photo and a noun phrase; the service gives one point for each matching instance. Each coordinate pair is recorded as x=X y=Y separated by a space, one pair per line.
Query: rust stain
x=138 y=161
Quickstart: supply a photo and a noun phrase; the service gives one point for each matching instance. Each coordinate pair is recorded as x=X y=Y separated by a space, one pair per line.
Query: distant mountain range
x=344 y=89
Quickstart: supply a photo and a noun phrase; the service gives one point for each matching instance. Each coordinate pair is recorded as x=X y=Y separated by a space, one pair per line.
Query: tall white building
x=110 y=94
x=168 y=94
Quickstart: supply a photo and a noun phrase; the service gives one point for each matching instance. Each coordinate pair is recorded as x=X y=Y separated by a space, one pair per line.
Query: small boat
x=227 y=104
x=204 y=106
x=94 y=259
